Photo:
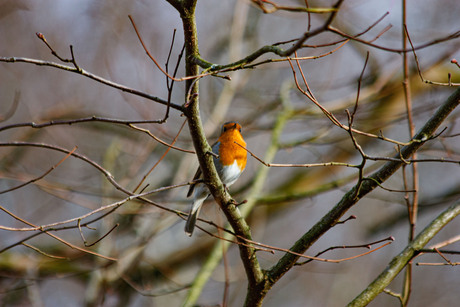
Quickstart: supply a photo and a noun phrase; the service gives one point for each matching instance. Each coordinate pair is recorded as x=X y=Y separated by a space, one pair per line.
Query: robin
x=230 y=161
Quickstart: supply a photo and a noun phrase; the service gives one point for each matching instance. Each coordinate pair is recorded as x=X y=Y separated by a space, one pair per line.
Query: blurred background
x=157 y=261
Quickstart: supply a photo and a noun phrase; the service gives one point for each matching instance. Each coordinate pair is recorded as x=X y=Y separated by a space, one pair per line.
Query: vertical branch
x=411 y=204
x=308 y=17
x=248 y=256
x=408 y=101
x=226 y=270
x=192 y=109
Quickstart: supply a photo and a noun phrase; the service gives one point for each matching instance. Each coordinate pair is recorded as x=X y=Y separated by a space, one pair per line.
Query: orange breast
x=229 y=151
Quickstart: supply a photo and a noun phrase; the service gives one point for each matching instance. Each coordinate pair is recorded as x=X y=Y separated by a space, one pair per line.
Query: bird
x=230 y=161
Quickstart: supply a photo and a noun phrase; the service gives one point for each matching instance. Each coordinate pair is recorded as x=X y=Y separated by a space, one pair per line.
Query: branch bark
x=259 y=282
x=387 y=170
x=87 y=74
x=399 y=262
x=192 y=112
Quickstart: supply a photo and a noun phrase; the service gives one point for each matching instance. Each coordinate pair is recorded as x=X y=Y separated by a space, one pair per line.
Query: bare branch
x=91 y=76
x=56 y=237
x=331 y=218
x=41 y=176
x=400 y=261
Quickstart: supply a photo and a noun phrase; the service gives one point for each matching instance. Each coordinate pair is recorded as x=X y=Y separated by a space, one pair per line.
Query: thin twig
x=105 y=235
x=41 y=176
x=111 y=206
x=43 y=253
x=446 y=242
x=299 y=9
x=170 y=84
x=293 y=164
x=449 y=83
x=56 y=237
x=159 y=66
x=161 y=158
x=91 y=76
x=314 y=257
x=331 y=117
x=395 y=50
x=53 y=52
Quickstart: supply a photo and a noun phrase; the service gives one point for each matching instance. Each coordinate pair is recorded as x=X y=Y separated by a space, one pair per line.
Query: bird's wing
x=196 y=177
x=215 y=149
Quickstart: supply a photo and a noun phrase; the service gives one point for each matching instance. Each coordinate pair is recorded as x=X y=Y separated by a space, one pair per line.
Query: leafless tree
x=349 y=112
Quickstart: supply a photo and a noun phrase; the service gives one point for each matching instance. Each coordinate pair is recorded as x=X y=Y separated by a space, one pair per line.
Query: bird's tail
x=193 y=215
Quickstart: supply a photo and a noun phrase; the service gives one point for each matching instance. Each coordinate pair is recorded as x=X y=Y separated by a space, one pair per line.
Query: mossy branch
x=202 y=147
x=271 y=48
x=400 y=261
x=353 y=196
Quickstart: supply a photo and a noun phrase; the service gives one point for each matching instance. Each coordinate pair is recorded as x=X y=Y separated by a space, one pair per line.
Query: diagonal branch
x=333 y=216
x=272 y=48
x=256 y=187
x=400 y=261
x=87 y=74
x=248 y=252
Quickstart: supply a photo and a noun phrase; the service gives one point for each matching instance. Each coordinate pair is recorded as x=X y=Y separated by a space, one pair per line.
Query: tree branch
x=272 y=48
x=211 y=178
x=333 y=216
x=87 y=74
x=399 y=262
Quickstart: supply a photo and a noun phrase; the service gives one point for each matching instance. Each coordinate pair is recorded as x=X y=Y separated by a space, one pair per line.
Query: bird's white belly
x=229 y=174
